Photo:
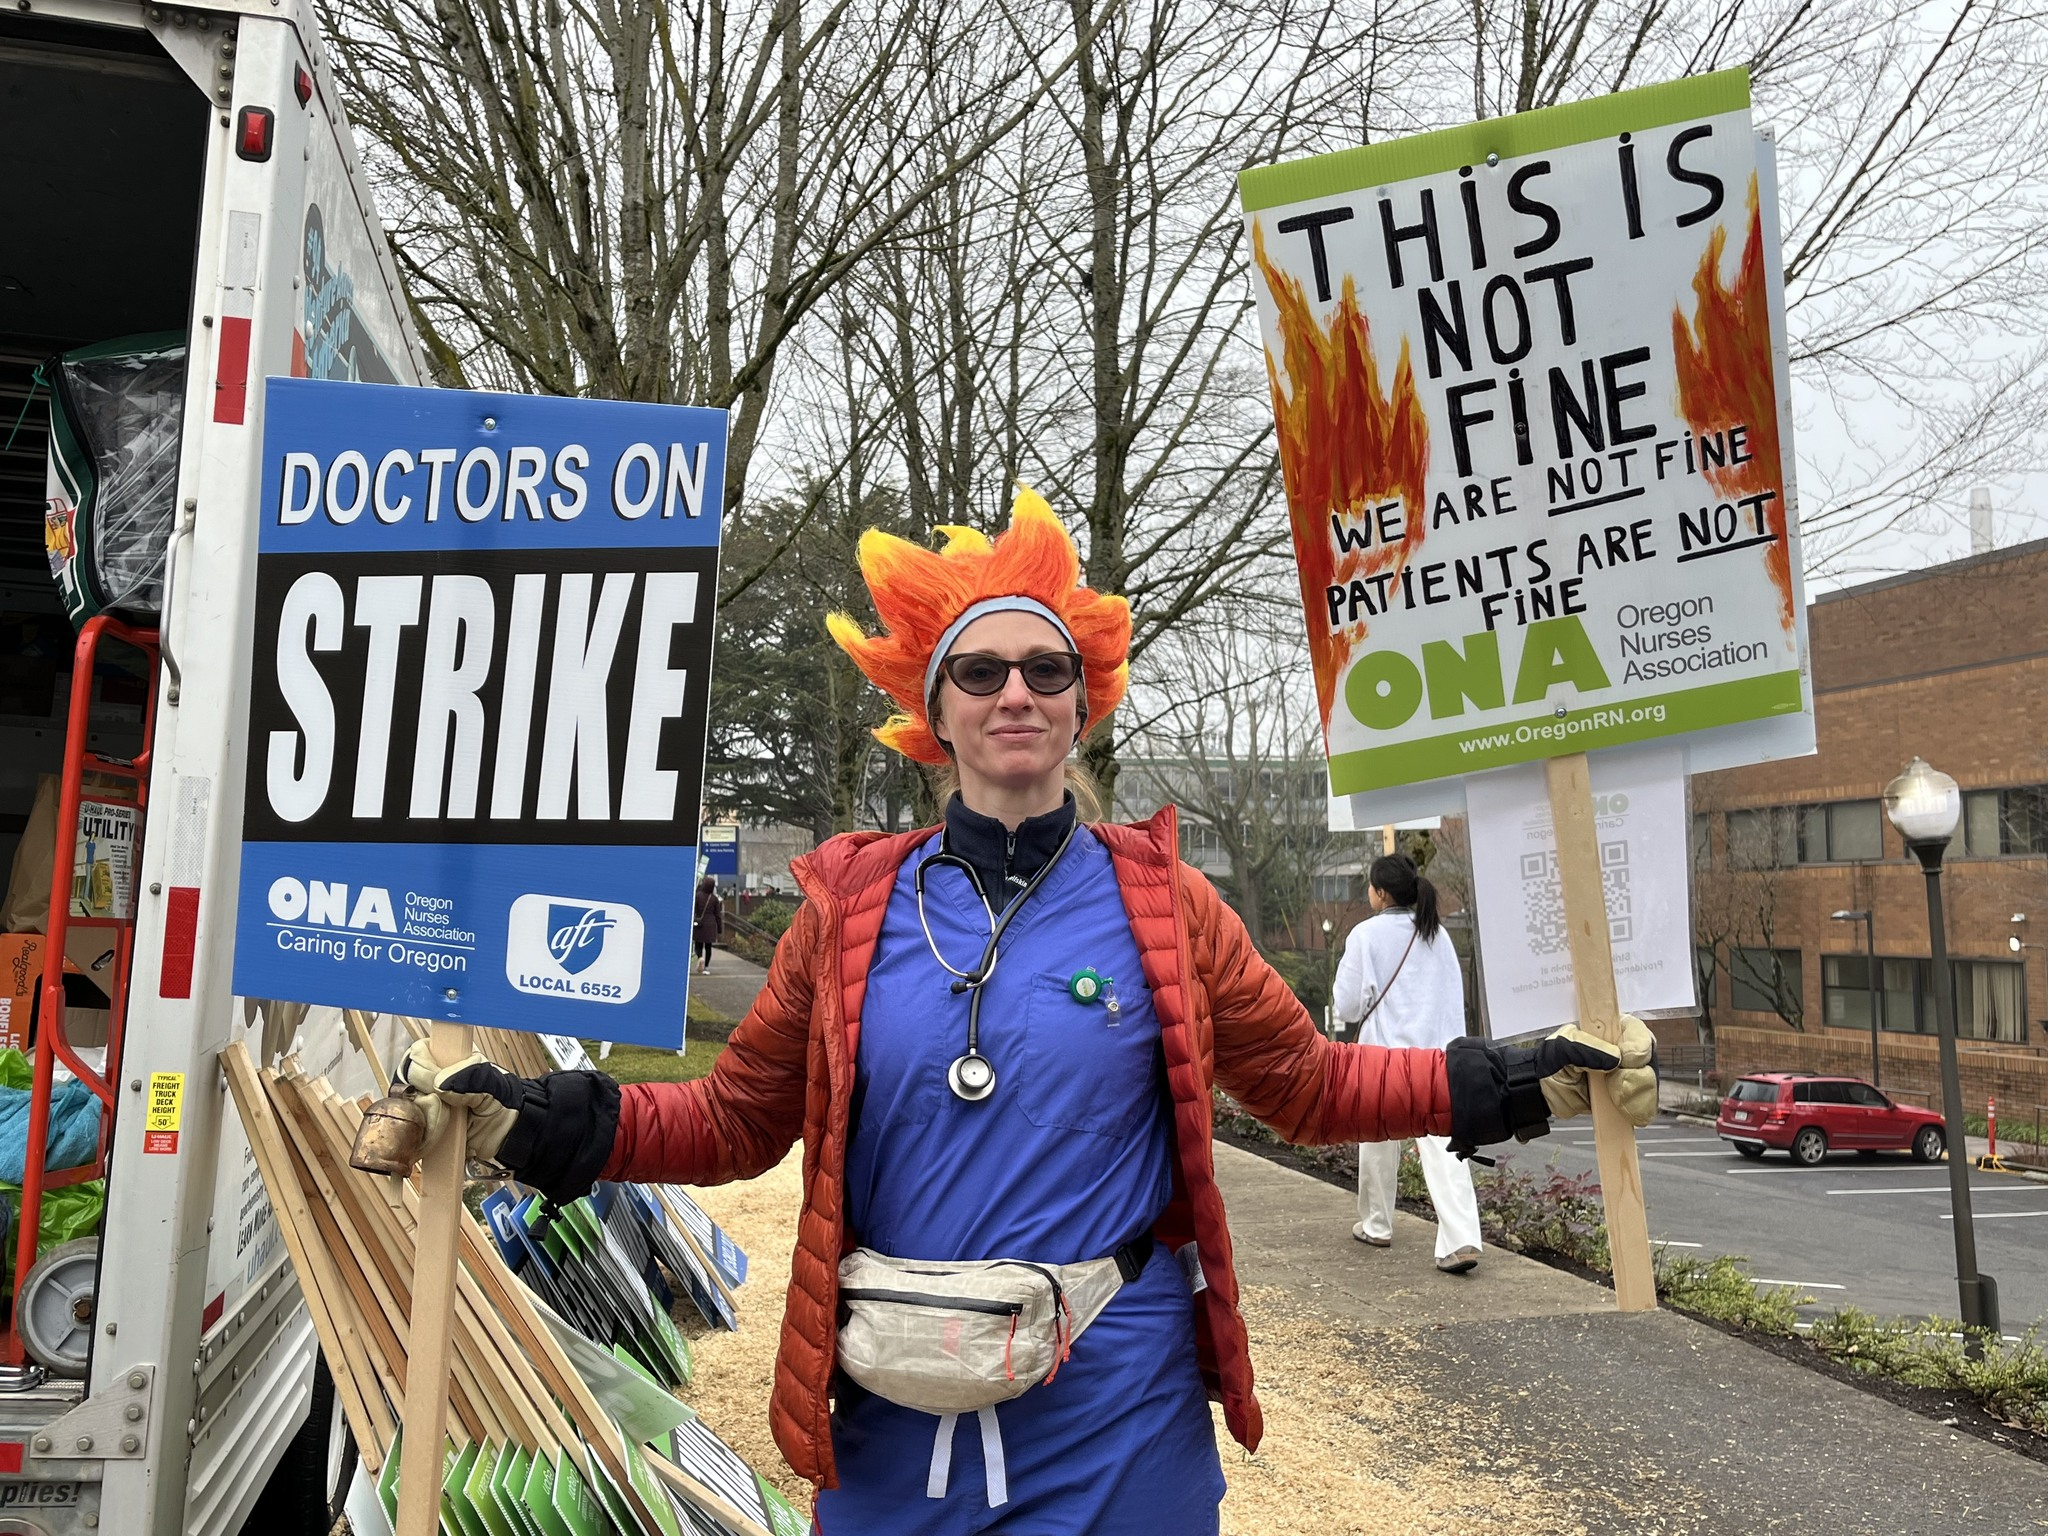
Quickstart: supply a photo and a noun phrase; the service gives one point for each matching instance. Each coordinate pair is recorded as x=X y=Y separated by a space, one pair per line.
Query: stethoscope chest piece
x=971 y=1077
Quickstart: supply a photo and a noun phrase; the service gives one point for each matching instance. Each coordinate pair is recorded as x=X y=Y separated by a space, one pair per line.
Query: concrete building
x=1949 y=664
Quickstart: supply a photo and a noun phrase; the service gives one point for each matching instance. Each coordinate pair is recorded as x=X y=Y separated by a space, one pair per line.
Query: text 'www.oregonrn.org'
x=1561 y=730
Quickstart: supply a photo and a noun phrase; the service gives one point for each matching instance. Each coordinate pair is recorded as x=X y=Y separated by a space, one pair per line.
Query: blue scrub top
x=1071 y=1156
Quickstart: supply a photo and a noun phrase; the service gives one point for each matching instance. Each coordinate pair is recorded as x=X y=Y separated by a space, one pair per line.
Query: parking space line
x=1802 y=1285
x=1724 y=1152
x=1662 y=1141
x=1672 y=1242
x=1997 y=1215
x=1942 y=1189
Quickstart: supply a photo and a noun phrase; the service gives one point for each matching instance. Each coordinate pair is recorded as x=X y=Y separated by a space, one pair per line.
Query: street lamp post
x=1869 y=976
x=1924 y=804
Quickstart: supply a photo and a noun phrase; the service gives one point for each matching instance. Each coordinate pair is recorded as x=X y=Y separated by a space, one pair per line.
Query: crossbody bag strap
x=1381 y=996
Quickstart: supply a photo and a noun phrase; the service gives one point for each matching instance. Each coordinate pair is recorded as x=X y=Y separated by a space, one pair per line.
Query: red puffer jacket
x=1225 y=1018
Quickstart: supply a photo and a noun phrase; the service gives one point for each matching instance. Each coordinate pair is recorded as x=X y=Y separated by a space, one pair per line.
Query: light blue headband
x=982 y=609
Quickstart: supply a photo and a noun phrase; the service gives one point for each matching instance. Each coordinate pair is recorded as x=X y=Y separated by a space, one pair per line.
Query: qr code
x=1543 y=898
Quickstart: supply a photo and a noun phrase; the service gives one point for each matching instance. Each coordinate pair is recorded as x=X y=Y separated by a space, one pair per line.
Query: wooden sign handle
x=1614 y=1139
x=430 y=1333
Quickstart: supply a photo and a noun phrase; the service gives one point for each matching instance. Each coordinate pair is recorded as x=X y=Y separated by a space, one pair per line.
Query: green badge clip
x=1085 y=986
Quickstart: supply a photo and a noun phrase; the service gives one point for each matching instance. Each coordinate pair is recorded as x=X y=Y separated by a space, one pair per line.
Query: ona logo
x=573 y=947
x=327 y=903
x=576 y=935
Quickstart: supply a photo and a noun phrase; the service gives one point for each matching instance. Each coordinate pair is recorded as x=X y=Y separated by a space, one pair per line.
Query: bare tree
x=1915 y=227
x=1232 y=738
x=643 y=200
x=934 y=249
x=1079 y=318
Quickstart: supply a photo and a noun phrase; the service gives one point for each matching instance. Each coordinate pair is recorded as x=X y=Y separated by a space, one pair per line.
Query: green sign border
x=1526 y=133
x=1402 y=763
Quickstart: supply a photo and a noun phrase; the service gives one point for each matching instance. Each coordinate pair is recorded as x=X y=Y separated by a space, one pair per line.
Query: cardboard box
x=21 y=972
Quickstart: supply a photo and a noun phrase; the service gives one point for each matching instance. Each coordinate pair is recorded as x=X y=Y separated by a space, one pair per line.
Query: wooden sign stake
x=430 y=1337
x=1614 y=1139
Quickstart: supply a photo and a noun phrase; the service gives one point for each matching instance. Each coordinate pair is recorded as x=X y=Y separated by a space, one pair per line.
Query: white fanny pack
x=948 y=1339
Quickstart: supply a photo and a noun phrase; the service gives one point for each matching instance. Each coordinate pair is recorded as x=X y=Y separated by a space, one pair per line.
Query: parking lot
x=1870 y=1231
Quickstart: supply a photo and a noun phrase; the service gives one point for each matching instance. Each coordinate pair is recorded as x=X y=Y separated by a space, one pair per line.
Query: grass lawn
x=646 y=1064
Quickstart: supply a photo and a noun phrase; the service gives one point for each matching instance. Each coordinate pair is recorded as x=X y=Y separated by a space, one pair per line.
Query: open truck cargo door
x=186 y=173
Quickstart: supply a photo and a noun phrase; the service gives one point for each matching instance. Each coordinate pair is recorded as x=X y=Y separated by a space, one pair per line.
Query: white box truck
x=187 y=169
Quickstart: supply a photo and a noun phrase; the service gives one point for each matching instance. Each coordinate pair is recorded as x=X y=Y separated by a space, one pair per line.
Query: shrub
x=773 y=918
x=2010 y=1128
x=1721 y=1289
x=1557 y=1214
x=2009 y=1380
x=1338 y=1163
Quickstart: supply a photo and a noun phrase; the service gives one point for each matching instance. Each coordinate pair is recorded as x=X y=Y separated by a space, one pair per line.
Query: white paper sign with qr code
x=1639 y=819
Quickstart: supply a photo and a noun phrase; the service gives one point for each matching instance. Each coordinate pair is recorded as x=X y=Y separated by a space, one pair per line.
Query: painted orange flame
x=1725 y=380
x=1344 y=447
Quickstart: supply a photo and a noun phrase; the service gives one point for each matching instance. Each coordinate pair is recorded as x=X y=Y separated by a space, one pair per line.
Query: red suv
x=1809 y=1116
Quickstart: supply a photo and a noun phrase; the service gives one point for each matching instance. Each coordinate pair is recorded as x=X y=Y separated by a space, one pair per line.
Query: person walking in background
x=1399 y=982
x=709 y=921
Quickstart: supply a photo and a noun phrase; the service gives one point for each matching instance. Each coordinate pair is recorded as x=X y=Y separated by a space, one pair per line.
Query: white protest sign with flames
x=1528 y=377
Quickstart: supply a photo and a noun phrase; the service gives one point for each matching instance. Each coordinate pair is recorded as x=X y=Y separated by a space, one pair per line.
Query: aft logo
x=565 y=946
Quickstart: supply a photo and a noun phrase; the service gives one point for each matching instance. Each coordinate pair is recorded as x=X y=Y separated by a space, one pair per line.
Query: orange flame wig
x=919 y=592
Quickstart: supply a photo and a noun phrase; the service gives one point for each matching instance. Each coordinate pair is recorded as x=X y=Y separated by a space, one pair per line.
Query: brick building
x=1949 y=664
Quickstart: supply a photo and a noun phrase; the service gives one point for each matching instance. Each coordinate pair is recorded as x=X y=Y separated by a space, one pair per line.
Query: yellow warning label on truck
x=166 y=1110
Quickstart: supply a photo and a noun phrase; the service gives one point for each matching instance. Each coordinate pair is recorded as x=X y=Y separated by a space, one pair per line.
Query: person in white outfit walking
x=1399 y=982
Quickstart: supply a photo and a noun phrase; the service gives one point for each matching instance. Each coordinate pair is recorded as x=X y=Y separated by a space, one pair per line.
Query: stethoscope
x=972 y=1076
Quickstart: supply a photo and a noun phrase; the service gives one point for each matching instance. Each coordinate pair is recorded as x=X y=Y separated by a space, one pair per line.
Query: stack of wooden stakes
x=351 y=1237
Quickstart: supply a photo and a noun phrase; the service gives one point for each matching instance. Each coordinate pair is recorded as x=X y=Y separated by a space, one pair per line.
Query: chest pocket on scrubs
x=1080 y=1072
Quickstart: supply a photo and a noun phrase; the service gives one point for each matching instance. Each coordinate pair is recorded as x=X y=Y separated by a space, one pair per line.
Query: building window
x=1990 y=998
x=1333 y=888
x=1840 y=833
x=1763 y=839
x=1766 y=981
x=2005 y=822
x=1845 y=991
x=1777 y=836
x=1899 y=982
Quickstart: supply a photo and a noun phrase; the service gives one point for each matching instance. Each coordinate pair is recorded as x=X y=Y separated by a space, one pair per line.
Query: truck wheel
x=1809 y=1147
x=305 y=1495
x=1749 y=1150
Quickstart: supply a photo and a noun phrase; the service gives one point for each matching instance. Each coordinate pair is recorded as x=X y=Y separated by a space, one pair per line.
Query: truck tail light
x=302 y=84
x=253 y=133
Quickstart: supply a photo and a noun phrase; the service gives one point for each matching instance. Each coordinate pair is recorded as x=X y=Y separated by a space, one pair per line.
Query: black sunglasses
x=1044 y=672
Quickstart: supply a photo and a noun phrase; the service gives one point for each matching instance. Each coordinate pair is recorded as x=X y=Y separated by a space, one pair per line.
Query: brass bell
x=392 y=1136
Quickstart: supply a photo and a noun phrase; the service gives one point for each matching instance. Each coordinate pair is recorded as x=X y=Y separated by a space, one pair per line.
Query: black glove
x=554 y=1132
x=1497 y=1091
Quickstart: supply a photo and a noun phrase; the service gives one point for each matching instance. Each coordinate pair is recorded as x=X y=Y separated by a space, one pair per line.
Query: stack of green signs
x=508 y=1490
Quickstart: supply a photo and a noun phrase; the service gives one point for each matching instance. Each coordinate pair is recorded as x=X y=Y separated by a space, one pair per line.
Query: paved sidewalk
x=730 y=985
x=1664 y=1425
